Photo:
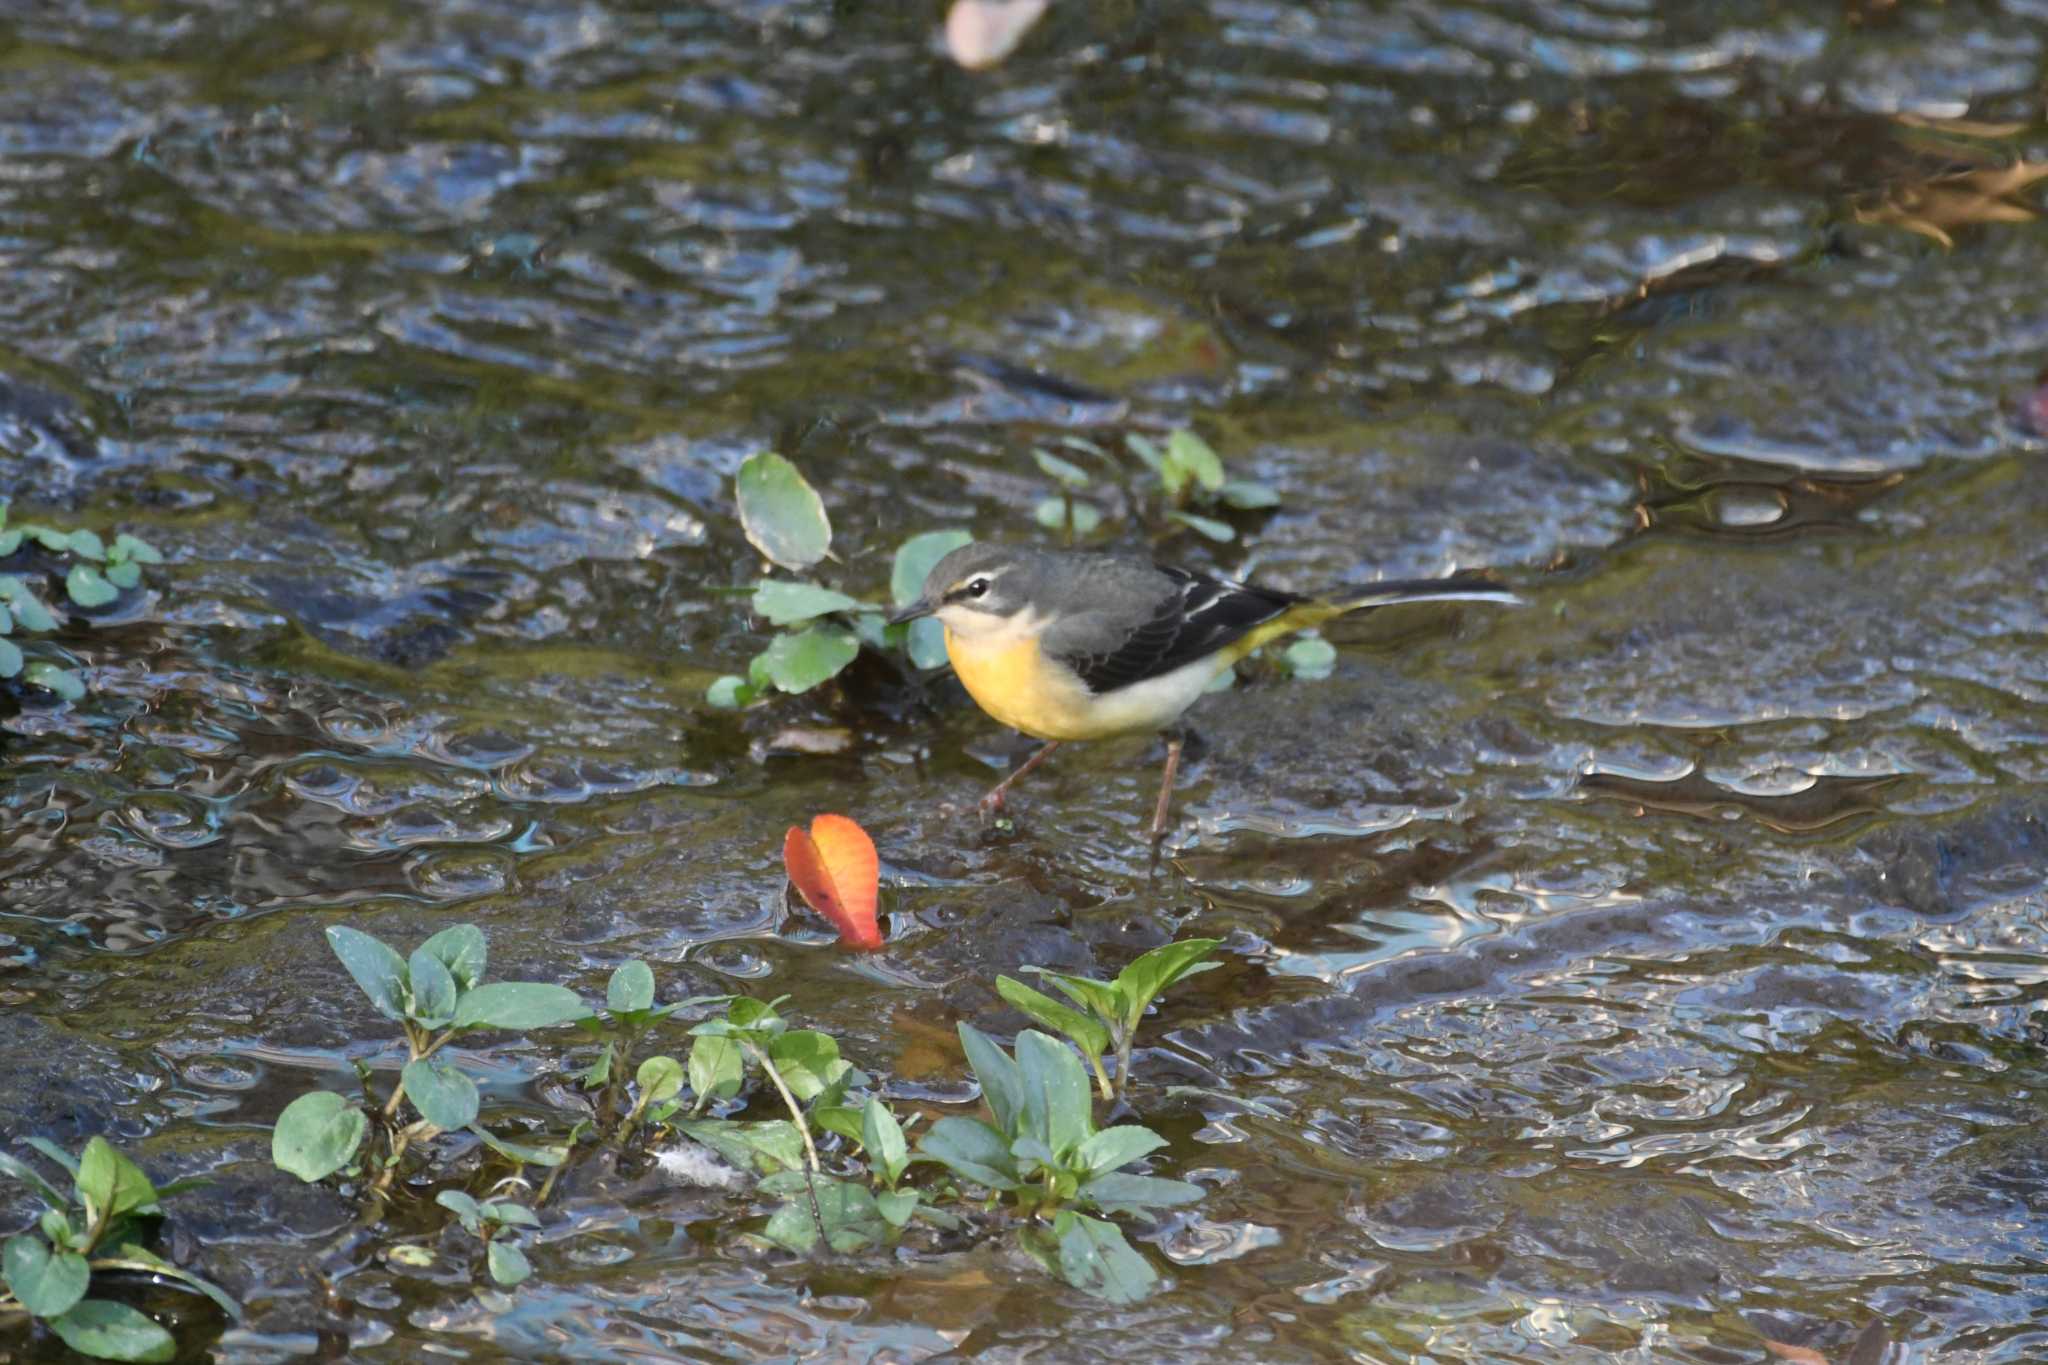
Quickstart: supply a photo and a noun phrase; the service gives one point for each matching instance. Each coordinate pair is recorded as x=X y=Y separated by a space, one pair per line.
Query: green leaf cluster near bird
x=835 y=1166
x=103 y=1227
x=1192 y=489
x=821 y=630
x=96 y=574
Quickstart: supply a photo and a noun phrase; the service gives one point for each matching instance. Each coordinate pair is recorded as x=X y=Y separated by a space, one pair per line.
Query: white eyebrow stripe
x=990 y=574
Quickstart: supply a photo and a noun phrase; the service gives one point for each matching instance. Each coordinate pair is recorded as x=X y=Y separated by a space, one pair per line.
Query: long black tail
x=1459 y=587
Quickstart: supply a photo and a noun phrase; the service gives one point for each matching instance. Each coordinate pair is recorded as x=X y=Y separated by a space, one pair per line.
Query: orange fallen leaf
x=835 y=870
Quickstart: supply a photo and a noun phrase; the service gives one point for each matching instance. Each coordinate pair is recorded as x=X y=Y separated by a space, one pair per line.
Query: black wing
x=1201 y=616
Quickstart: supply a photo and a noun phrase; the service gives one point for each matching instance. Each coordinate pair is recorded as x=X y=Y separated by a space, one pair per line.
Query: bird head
x=977 y=588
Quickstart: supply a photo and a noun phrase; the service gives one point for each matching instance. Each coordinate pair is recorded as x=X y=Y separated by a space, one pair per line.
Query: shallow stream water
x=1640 y=975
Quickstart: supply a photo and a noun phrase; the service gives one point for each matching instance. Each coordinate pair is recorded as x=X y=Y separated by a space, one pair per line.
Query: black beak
x=920 y=608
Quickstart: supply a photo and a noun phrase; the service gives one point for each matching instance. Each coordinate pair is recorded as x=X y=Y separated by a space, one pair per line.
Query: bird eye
x=978 y=588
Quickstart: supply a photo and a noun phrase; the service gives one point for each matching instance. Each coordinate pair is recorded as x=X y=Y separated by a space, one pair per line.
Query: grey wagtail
x=1067 y=646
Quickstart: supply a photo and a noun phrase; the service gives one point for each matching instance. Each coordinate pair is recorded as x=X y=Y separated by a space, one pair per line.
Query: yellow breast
x=1009 y=678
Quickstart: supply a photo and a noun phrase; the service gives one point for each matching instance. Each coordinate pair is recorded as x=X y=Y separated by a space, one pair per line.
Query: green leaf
x=897 y=1206
x=29 y=611
x=852 y=1222
x=1189 y=453
x=1051 y=513
x=799 y=662
x=10 y=658
x=1247 y=496
x=89 y=587
x=971 y=1150
x=126 y=574
x=430 y=989
x=46 y=1282
x=109 y=1184
x=1002 y=1085
x=1057 y=1105
x=518 y=1005
x=1154 y=971
x=881 y=1137
x=10 y=541
x=375 y=967
x=631 y=988
x=807 y=1059
x=86 y=543
x=62 y=681
x=464 y=1208
x=317 y=1135
x=30 y=1176
x=1117 y=1192
x=510 y=1214
x=787 y=604
x=136 y=1255
x=767 y=1147
x=717 y=1068
x=914 y=560
x=445 y=1096
x=925 y=640
x=730 y=692
x=1066 y=471
x=752 y=1016
x=1088 y=1034
x=49 y=537
x=56 y=1224
x=1118 y=1146
x=1220 y=531
x=1095 y=1259
x=508 y=1264
x=113 y=1331
x=782 y=515
x=460 y=948
x=1099 y=998
x=56 y=1154
x=599 y=1072
x=553 y=1155
x=135 y=548
x=1310 y=657
x=1146 y=449
x=659 y=1078
x=837 y=1118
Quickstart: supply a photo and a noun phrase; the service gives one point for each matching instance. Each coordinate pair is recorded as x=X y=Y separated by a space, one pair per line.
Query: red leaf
x=835 y=870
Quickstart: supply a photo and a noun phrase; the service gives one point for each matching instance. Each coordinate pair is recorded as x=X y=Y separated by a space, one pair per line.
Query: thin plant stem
x=803 y=1130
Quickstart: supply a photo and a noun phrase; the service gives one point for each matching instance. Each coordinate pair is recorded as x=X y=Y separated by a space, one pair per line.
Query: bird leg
x=993 y=802
x=1174 y=740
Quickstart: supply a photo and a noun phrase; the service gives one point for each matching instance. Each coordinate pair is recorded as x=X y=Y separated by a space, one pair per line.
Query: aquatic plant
x=94 y=572
x=1113 y=1008
x=1044 y=1154
x=1041 y=1158
x=1188 y=479
x=821 y=629
x=102 y=1227
x=492 y=1221
x=436 y=996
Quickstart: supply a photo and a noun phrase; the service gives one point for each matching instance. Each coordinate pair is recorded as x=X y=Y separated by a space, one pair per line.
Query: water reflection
x=1647 y=975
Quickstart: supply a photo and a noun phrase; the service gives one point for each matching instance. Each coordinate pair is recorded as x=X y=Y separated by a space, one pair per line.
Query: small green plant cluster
x=1192 y=487
x=821 y=629
x=1045 y=1156
x=436 y=996
x=97 y=576
x=1113 y=1008
x=1041 y=1159
x=102 y=1226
